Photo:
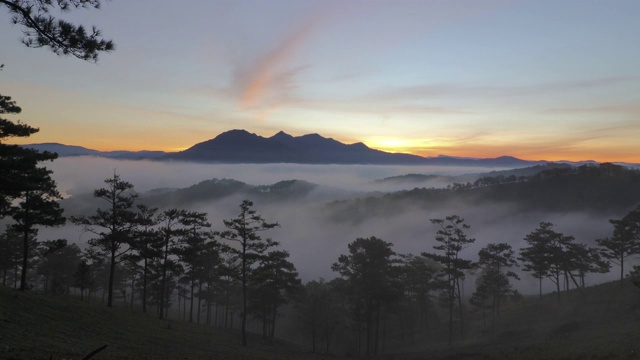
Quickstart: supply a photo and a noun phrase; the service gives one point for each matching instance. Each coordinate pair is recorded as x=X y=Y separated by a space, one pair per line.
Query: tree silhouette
x=146 y=247
x=171 y=228
x=58 y=263
x=372 y=273
x=554 y=255
x=244 y=230
x=37 y=206
x=20 y=171
x=114 y=225
x=493 y=284
x=274 y=282
x=41 y=29
x=625 y=241
x=496 y=260
x=83 y=277
x=10 y=253
x=192 y=251
x=418 y=278
x=452 y=240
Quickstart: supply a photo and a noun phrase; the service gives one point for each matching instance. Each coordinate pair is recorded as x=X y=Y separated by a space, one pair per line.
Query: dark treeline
x=596 y=188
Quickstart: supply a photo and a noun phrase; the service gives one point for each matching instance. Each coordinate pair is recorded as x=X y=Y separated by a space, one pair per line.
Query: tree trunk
x=244 y=292
x=144 y=288
x=326 y=328
x=199 y=300
x=164 y=275
x=133 y=292
x=274 y=315
x=313 y=334
x=191 y=301
x=15 y=277
x=112 y=268
x=25 y=257
x=376 y=341
x=460 y=310
x=369 y=319
x=540 y=285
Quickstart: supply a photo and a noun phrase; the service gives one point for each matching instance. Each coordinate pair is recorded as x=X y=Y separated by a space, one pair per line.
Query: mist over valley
x=322 y=208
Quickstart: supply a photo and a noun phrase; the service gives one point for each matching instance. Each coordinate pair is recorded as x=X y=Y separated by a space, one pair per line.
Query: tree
x=83 y=277
x=175 y=224
x=114 y=225
x=418 y=278
x=38 y=206
x=18 y=164
x=554 y=255
x=244 y=230
x=372 y=272
x=41 y=29
x=316 y=311
x=275 y=281
x=10 y=253
x=146 y=246
x=170 y=230
x=582 y=259
x=452 y=240
x=625 y=241
x=192 y=251
x=58 y=262
x=495 y=260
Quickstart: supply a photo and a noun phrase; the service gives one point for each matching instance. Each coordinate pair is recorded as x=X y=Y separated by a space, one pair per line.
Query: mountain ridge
x=243 y=147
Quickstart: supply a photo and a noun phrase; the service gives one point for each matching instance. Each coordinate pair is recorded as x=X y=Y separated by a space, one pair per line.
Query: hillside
x=598 y=189
x=34 y=326
x=598 y=322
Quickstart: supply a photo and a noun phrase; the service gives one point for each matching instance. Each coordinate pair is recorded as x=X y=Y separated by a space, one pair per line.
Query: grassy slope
x=34 y=326
x=600 y=322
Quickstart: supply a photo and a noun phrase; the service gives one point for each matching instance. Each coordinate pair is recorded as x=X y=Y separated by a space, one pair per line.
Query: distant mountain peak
x=241 y=146
x=281 y=135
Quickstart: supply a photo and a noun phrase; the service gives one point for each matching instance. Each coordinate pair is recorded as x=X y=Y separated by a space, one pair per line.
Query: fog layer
x=307 y=230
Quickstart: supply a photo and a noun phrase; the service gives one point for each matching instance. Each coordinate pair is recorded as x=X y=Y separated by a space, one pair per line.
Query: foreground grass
x=597 y=323
x=34 y=326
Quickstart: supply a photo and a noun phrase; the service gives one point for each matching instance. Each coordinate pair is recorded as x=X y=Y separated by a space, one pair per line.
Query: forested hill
x=590 y=188
x=216 y=189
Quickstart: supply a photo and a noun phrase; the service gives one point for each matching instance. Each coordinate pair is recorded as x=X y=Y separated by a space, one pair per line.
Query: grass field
x=34 y=326
x=599 y=322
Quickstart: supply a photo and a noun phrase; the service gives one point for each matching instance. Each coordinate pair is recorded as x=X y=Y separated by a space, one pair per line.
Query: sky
x=535 y=79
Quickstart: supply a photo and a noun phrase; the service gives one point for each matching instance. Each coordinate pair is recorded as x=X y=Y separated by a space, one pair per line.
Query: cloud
x=433 y=91
x=607 y=109
x=269 y=76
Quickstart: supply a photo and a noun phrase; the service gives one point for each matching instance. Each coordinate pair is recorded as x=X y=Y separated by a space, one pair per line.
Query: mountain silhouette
x=240 y=146
x=243 y=147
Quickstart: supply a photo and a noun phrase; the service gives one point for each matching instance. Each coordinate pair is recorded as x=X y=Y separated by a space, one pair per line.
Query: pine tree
x=113 y=226
x=244 y=231
x=41 y=29
x=452 y=240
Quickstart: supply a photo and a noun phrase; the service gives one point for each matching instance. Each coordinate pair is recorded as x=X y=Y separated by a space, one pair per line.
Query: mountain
x=243 y=147
x=240 y=146
x=71 y=150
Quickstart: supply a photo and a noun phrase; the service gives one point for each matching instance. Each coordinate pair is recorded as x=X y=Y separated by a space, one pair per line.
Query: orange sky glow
x=475 y=78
